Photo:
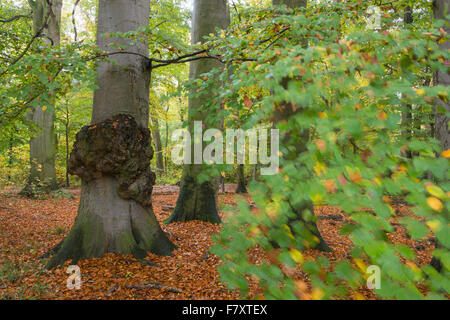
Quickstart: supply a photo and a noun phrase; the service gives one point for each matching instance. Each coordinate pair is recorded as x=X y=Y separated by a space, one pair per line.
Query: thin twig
x=237 y=11
x=73 y=20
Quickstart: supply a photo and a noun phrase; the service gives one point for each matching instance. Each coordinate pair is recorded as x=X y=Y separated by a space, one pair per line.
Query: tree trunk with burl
x=112 y=155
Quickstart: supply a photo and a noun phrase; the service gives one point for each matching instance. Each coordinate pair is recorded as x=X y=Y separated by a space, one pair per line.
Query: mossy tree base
x=195 y=202
x=240 y=175
x=436 y=263
x=112 y=225
x=33 y=188
x=310 y=232
x=310 y=225
x=241 y=188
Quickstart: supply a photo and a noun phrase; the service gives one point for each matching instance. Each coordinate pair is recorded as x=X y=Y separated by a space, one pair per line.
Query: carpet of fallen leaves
x=30 y=227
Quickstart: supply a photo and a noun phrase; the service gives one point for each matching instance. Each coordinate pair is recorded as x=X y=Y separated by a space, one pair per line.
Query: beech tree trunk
x=198 y=201
x=43 y=145
x=300 y=139
x=112 y=155
x=442 y=107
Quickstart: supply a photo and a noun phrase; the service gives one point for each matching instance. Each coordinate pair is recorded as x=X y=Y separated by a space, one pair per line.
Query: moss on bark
x=196 y=201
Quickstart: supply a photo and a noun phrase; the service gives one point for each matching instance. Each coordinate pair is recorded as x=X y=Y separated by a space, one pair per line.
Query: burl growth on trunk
x=115 y=212
x=116 y=147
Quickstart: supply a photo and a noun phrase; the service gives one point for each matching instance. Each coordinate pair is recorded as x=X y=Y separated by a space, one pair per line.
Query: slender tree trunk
x=255 y=166
x=67 y=124
x=181 y=112
x=167 y=145
x=442 y=107
x=10 y=155
x=42 y=146
x=300 y=139
x=158 y=145
x=112 y=155
x=241 y=186
x=406 y=125
x=407 y=114
x=255 y=172
x=198 y=201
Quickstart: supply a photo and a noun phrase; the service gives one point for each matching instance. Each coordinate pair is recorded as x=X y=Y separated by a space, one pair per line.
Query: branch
x=352 y=142
x=277 y=35
x=237 y=11
x=73 y=20
x=107 y=54
x=19 y=16
x=180 y=57
x=32 y=98
x=27 y=47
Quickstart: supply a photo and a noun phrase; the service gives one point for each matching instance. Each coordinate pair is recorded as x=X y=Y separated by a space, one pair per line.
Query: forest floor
x=30 y=227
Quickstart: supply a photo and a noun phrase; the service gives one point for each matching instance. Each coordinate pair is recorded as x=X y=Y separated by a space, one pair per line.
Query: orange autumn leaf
x=446 y=153
x=247 y=102
x=329 y=185
x=321 y=145
x=435 y=204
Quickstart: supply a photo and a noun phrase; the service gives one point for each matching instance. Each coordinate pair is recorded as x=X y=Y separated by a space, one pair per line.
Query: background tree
x=299 y=140
x=46 y=22
x=407 y=119
x=441 y=8
x=240 y=177
x=158 y=145
x=170 y=20
x=72 y=112
x=198 y=199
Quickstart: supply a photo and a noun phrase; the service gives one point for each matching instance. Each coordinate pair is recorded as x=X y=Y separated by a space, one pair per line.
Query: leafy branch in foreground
x=347 y=86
